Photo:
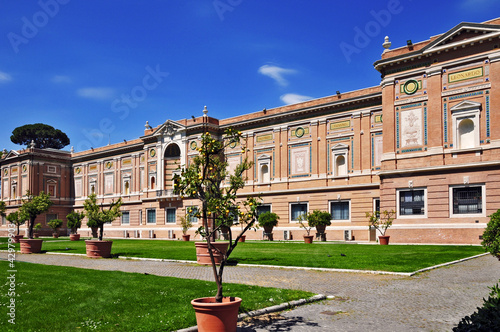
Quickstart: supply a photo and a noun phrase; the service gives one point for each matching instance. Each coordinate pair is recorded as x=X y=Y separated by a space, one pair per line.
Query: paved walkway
x=430 y=301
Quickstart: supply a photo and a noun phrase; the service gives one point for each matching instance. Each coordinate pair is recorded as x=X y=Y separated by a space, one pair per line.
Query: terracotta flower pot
x=36 y=235
x=308 y=238
x=320 y=229
x=31 y=246
x=203 y=256
x=74 y=237
x=242 y=238
x=98 y=249
x=383 y=240
x=213 y=316
x=268 y=230
x=185 y=237
x=55 y=235
x=16 y=238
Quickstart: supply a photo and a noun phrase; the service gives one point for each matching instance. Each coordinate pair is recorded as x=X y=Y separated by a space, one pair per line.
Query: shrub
x=55 y=224
x=75 y=221
x=491 y=235
x=486 y=318
x=268 y=219
x=319 y=218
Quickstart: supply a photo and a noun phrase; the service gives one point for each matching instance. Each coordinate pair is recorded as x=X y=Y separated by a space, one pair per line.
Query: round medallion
x=410 y=87
x=299 y=132
x=6 y=172
x=24 y=168
x=109 y=164
x=232 y=145
x=152 y=152
x=78 y=170
x=193 y=145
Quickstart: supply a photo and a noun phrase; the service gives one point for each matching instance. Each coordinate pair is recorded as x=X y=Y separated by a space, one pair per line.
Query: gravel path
x=430 y=301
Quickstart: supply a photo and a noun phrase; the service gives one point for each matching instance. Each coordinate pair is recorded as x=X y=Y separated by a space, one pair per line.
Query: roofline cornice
x=303 y=110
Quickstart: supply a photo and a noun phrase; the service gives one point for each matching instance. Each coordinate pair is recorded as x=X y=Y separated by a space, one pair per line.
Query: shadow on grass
x=59 y=250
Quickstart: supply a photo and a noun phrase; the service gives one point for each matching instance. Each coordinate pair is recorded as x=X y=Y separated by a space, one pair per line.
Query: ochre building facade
x=425 y=143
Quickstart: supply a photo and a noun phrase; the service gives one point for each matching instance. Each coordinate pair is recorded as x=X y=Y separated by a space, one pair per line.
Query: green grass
x=55 y=298
x=395 y=258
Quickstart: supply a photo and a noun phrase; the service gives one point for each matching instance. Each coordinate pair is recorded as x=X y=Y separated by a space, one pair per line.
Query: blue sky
x=98 y=70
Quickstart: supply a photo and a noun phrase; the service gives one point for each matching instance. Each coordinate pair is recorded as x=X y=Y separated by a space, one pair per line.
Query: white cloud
x=276 y=73
x=96 y=93
x=4 y=77
x=293 y=98
x=61 y=79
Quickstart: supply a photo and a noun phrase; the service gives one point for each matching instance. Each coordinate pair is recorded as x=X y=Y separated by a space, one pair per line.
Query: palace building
x=425 y=142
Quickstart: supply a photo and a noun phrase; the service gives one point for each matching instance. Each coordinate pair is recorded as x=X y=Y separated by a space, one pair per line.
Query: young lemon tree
x=206 y=179
x=98 y=215
x=33 y=206
x=17 y=218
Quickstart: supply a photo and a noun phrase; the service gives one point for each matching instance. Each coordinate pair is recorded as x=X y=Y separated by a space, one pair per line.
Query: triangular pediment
x=264 y=156
x=12 y=154
x=461 y=34
x=169 y=128
x=340 y=146
x=466 y=105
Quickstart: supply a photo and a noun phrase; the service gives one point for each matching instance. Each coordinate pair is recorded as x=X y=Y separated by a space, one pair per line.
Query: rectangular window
x=151 y=216
x=412 y=202
x=468 y=200
x=49 y=217
x=190 y=215
x=339 y=210
x=297 y=210
x=376 y=205
x=170 y=215
x=263 y=208
x=125 y=217
x=140 y=217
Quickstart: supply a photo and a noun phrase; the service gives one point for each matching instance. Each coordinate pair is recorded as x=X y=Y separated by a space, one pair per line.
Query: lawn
x=395 y=258
x=55 y=298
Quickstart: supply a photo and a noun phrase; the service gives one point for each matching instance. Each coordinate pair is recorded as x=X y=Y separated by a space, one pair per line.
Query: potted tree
x=74 y=219
x=186 y=224
x=98 y=216
x=207 y=180
x=55 y=224
x=17 y=218
x=381 y=222
x=36 y=229
x=307 y=238
x=268 y=220
x=491 y=235
x=319 y=219
x=32 y=207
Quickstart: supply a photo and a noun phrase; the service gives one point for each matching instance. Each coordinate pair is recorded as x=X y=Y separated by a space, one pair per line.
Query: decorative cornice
x=468 y=89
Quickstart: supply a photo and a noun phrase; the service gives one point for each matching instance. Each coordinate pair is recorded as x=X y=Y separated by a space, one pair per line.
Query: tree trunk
x=101 y=232
x=30 y=228
x=18 y=229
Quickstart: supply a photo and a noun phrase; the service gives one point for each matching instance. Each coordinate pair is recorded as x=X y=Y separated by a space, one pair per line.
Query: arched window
x=153 y=184
x=171 y=161
x=172 y=151
x=466 y=134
